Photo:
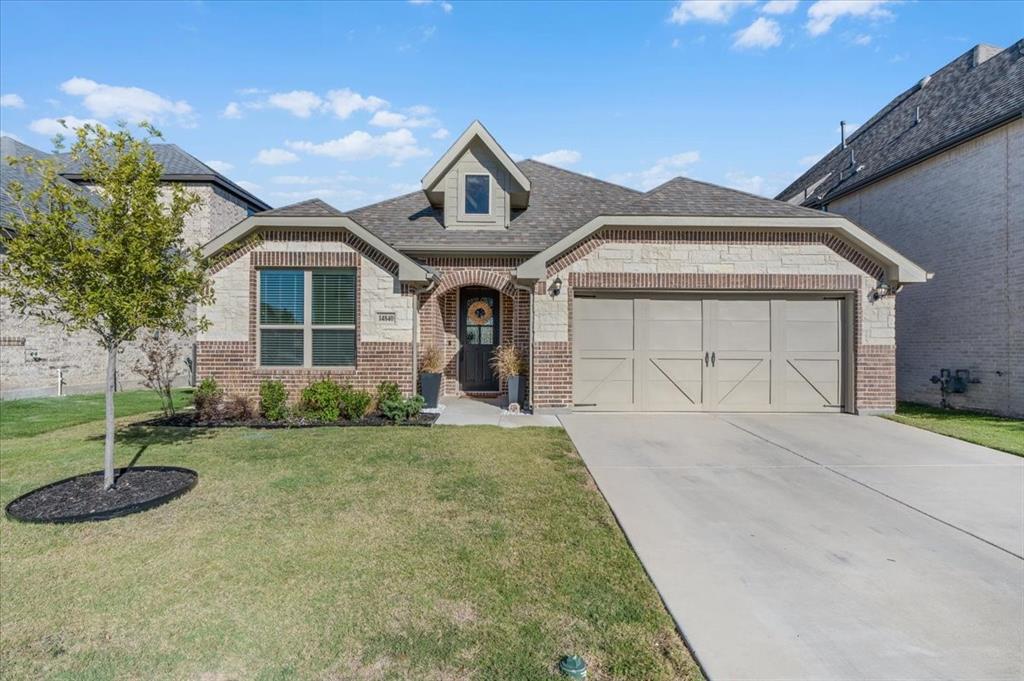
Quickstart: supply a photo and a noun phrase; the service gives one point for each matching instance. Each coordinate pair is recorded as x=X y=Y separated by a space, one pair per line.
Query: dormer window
x=478 y=194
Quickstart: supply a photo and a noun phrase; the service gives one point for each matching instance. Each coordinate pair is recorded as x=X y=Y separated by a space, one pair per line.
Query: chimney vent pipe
x=842 y=132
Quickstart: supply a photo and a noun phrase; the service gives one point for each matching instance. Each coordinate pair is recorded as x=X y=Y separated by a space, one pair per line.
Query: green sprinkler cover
x=574 y=667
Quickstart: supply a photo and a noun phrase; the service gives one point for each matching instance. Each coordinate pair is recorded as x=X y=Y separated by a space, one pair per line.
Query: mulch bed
x=82 y=497
x=189 y=419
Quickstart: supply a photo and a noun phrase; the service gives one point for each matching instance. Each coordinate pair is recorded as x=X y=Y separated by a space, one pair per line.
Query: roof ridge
x=583 y=175
x=717 y=187
x=383 y=201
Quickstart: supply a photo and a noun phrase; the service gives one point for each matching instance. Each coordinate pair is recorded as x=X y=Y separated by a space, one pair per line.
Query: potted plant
x=507 y=363
x=431 y=365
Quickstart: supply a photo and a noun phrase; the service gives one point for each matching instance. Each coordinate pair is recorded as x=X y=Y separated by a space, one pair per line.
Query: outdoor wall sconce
x=881 y=291
x=556 y=286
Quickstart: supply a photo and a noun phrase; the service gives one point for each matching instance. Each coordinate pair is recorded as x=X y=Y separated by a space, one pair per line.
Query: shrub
x=160 y=365
x=400 y=409
x=432 y=360
x=322 y=400
x=507 y=361
x=236 y=408
x=273 y=398
x=207 y=398
x=388 y=392
x=355 y=403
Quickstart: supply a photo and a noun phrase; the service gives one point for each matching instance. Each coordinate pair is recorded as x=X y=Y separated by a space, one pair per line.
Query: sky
x=353 y=102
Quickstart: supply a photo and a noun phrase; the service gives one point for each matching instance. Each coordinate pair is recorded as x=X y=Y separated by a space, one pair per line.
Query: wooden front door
x=479 y=317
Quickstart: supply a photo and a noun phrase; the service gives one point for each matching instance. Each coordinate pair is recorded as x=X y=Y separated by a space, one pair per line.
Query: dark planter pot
x=516 y=390
x=430 y=385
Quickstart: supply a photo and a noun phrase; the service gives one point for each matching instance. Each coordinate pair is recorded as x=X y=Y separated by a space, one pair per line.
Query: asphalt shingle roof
x=311 y=208
x=958 y=100
x=10 y=147
x=180 y=165
x=684 y=197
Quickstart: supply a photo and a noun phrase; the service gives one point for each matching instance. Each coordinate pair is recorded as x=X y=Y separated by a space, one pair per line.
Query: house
x=938 y=173
x=37 y=359
x=689 y=297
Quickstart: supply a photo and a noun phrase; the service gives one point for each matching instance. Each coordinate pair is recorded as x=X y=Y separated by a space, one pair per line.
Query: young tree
x=113 y=263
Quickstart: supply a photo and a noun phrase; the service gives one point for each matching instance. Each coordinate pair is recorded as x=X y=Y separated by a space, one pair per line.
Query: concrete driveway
x=821 y=546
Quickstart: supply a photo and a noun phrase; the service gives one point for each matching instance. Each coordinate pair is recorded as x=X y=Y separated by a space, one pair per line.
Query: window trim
x=307 y=327
x=465 y=216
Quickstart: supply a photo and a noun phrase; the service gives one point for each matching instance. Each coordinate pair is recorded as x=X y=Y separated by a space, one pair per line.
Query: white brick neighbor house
x=35 y=357
x=938 y=173
x=689 y=297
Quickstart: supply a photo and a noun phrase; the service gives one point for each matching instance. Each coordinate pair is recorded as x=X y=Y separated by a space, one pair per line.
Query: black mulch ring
x=82 y=497
x=189 y=419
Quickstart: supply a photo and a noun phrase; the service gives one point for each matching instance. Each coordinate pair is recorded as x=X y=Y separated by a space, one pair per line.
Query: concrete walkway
x=468 y=411
x=821 y=546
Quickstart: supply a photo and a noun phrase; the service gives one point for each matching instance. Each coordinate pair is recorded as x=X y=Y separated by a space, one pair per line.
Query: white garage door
x=707 y=354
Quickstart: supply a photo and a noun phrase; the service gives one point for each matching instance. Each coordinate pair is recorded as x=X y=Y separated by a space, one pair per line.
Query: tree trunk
x=108 y=443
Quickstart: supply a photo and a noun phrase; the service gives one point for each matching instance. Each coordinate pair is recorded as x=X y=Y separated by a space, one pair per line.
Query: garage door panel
x=743 y=383
x=673 y=384
x=604 y=381
x=811 y=325
x=812 y=383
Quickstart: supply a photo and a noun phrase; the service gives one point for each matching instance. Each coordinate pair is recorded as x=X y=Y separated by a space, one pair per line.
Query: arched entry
x=479 y=311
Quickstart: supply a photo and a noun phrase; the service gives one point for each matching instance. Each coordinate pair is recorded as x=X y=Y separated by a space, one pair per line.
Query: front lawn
x=23 y=418
x=330 y=553
x=982 y=429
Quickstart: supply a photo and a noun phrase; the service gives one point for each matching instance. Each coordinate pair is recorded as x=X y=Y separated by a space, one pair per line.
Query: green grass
x=330 y=553
x=982 y=429
x=25 y=418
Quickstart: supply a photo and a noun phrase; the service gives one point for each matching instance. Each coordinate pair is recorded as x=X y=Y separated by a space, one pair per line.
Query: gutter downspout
x=529 y=350
x=416 y=328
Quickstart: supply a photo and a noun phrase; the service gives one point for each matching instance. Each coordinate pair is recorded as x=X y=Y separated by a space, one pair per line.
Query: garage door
x=707 y=354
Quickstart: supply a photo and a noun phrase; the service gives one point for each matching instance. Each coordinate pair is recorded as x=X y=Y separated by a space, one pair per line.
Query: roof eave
x=221 y=182
x=409 y=270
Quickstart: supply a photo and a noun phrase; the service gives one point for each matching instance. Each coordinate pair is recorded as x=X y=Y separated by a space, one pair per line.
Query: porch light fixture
x=556 y=286
x=881 y=290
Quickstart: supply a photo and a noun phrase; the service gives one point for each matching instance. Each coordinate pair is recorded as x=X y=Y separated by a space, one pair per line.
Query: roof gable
x=475 y=131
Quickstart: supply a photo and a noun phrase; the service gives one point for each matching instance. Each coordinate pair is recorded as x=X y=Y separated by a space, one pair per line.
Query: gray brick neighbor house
x=938 y=174
x=36 y=359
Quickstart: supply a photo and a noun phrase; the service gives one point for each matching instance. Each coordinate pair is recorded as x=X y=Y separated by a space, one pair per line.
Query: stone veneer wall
x=227 y=350
x=715 y=260
x=960 y=215
x=439 y=308
x=31 y=352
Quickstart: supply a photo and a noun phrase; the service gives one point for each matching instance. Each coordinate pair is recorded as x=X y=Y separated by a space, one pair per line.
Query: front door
x=478 y=328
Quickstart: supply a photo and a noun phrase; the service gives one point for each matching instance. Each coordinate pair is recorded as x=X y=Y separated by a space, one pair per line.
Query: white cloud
x=250 y=91
x=4 y=133
x=134 y=104
x=11 y=101
x=440 y=134
x=862 y=39
x=560 y=157
x=391 y=119
x=763 y=33
x=711 y=11
x=397 y=145
x=309 y=180
x=248 y=186
x=663 y=170
x=753 y=184
x=404 y=187
x=52 y=126
x=220 y=166
x=779 y=6
x=344 y=102
x=301 y=103
x=822 y=14
x=809 y=160
x=232 y=110
x=275 y=157
x=445 y=6
x=850 y=127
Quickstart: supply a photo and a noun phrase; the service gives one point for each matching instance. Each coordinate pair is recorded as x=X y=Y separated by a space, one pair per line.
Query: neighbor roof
x=10 y=147
x=180 y=166
x=976 y=92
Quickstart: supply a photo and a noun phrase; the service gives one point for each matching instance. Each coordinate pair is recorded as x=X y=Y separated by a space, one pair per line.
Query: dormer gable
x=476 y=183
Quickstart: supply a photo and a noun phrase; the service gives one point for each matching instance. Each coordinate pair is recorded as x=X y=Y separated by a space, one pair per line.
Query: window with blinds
x=307 y=317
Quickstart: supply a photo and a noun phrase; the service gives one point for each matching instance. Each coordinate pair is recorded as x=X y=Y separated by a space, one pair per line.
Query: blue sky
x=354 y=102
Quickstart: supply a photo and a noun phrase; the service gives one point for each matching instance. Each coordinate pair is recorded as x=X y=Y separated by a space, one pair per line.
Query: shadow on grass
x=144 y=436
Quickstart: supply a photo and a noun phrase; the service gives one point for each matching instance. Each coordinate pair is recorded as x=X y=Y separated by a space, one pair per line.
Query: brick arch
x=488 y=279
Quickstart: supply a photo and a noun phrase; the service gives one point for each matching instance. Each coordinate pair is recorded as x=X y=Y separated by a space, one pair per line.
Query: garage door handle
x=705 y=359
x=712 y=359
